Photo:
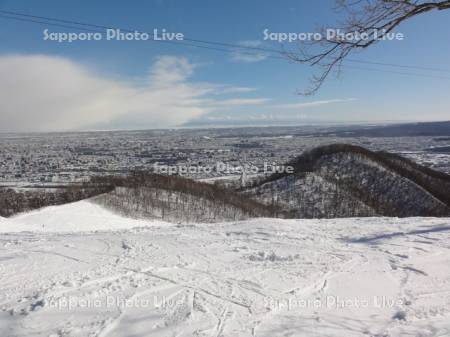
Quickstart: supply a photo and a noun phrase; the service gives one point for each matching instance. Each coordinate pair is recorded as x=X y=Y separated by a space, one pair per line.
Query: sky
x=47 y=85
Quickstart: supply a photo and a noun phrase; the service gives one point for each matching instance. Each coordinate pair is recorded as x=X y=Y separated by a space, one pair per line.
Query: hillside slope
x=177 y=199
x=254 y=278
x=342 y=180
x=78 y=216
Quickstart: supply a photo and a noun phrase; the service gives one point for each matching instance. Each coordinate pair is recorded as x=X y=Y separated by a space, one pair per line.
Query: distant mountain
x=343 y=180
x=432 y=129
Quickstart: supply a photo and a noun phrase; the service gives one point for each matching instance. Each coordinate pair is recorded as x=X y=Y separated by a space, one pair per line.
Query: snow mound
x=272 y=257
x=81 y=216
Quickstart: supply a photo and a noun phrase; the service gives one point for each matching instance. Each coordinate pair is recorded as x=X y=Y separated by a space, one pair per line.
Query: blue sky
x=148 y=84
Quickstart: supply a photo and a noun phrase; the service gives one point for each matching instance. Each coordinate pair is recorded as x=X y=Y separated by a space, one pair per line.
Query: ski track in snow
x=378 y=277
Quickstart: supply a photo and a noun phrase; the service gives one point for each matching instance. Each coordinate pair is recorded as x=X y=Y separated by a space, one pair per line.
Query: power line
x=225 y=47
x=80 y=27
x=398 y=65
x=48 y=23
x=397 y=72
x=223 y=44
x=78 y=23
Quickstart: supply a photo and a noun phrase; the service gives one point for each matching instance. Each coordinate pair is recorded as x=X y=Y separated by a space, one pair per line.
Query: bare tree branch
x=368 y=21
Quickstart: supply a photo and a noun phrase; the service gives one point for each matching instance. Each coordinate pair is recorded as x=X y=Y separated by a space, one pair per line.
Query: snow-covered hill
x=61 y=276
x=342 y=180
x=74 y=217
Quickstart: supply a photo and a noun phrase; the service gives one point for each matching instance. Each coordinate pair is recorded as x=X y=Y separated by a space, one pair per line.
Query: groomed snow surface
x=80 y=270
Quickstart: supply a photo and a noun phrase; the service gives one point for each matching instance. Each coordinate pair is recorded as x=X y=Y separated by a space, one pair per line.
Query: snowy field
x=79 y=270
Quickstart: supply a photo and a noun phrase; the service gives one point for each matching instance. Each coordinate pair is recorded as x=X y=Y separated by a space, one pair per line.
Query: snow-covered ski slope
x=80 y=270
x=74 y=217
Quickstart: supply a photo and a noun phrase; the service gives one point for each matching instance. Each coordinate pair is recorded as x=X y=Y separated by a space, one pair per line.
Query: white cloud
x=248 y=55
x=41 y=93
x=50 y=93
x=259 y=117
x=232 y=90
x=47 y=93
x=242 y=101
x=295 y=106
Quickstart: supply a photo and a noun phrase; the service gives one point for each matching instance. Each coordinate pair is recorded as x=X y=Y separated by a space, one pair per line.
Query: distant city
x=51 y=159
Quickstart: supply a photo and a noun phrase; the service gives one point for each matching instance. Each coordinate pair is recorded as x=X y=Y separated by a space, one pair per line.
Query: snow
x=89 y=272
x=74 y=217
